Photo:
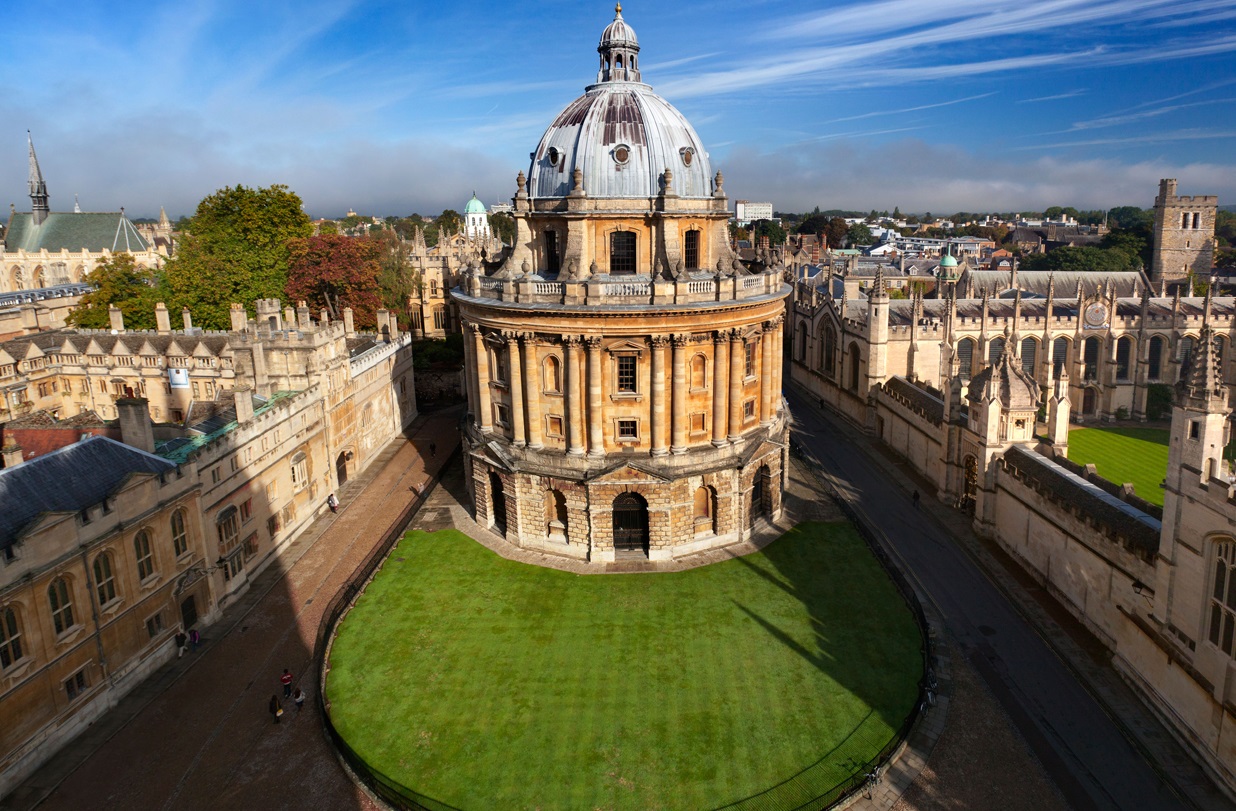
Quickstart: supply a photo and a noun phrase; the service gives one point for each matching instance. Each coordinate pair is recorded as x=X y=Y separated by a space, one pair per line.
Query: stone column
x=575 y=422
x=720 y=386
x=516 y=381
x=738 y=362
x=678 y=429
x=532 y=390
x=778 y=361
x=766 y=374
x=470 y=372
x=481 y=361
x=596 y=433
x=657 y=407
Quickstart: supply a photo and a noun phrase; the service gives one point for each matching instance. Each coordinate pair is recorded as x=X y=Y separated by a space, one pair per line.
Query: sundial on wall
x=1095 y=315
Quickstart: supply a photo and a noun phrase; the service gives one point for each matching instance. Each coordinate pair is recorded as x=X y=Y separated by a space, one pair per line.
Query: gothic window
x=802 y=342
x=1059 y=356
x=1223 y=595
x=829 y=350
x=439 y=317
x=699 y=372
x=965 y=358
x=1090 y=357
x=58 y=598
x=145 y=557
x=691 y=250
x=1029 y=354
x=995 y=351
x=1187 y=346
x=854 y=359
x=104 y=579
x=180 y=536
x=622 y=253
x=10 y=637
x=553 y=374
x=1155 y=364
x=1124 y=352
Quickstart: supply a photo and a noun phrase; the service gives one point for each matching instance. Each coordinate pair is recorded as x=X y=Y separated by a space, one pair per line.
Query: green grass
x=1136 y=455
x=485 y=683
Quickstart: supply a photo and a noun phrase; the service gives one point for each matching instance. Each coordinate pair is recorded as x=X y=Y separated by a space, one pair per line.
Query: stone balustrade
x=700 y=287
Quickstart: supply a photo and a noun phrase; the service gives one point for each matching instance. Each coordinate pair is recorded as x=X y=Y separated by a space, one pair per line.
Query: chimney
x=240 y=321
x=135 y=427
x=188 y=319
x=116 y=317
x=349 y=326
x=11 y=453
x=244 y=404
x=163 y=321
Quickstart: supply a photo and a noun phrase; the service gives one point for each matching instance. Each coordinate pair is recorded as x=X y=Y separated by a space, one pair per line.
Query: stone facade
x=1184 y=235
x=623 y=368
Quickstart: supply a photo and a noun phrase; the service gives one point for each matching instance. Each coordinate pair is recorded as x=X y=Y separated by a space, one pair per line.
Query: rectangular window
x=154 y=625
x=214 y=475
x=502 y=415
x=628 y=429
x=622 y=253
x=626 y=373
x=251 y=545
x=272 y=526
x=246 y=510
x=76 y=684
x=551 y=252
x=234 y=564
x=750 y=366
x=748 y=410
x=691 y=250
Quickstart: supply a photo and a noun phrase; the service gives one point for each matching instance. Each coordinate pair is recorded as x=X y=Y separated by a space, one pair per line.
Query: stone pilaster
x=737 y=368
x=657 y=407
x=766 y=374
x=532 y=390
x=516 y=381
x=574 y=396
x=720 y=368
x=481 y=361
x=679 y=416
x=596 y=433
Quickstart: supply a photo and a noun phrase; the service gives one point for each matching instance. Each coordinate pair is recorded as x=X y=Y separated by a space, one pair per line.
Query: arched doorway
x=759 y=495
x=1090 y=401
x=497 y=501
x=630 y=525
x=341 y=467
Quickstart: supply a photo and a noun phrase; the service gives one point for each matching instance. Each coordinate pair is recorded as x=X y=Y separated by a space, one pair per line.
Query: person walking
x=286 y=681
x=914 y=499
x=276 y=708
x=299 y=698
x=433 y=449
x=195 y=639
x=333 y=502
x=182 y=644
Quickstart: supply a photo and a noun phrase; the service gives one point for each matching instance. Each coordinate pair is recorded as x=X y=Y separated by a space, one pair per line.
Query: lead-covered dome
x=620 y=135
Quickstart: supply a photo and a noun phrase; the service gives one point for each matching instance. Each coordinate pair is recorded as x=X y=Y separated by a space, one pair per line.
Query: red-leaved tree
x=333 y=272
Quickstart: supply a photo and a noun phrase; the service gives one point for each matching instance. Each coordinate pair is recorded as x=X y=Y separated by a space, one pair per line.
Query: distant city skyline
x=400 y=108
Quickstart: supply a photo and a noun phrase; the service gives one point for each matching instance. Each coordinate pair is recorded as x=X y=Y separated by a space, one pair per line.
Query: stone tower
x=1184 y=235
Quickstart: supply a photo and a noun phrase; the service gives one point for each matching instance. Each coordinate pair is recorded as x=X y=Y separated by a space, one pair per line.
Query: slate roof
x=993 y=282
x=74 y=232
x=926 y=403
x=54 y=483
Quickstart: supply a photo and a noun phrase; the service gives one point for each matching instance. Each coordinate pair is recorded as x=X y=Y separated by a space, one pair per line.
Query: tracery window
x=1223 y=596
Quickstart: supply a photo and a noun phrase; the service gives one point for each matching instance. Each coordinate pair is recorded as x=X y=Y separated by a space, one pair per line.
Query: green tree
x=449 y=220
x=397 y=282
x=503 y=226
x=767 y=228
x=120 y=281
x=814 y=224
x=1134 y=243
x=235 y=249
x=327 y=228
x=858 y=234
x=334 y=272
x=1084 y=259
x=835 y=234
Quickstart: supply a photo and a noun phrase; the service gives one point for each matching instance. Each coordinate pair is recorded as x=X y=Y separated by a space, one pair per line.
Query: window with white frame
x=300 y=471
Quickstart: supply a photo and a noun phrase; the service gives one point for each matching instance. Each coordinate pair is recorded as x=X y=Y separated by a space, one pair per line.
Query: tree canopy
x=235 y=249
x=397 y=282
x=1086 y=259
x=333 y=272
x=120 y=281
x=858 y=234
x=503 y=227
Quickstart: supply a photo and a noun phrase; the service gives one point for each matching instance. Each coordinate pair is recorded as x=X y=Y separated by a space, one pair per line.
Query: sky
x=402 y=107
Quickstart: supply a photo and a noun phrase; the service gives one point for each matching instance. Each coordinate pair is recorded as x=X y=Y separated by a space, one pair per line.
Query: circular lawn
x=478 y=682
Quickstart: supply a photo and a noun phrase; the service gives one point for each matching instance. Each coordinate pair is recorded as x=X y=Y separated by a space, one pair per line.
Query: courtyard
x=1134 y=455
x=475 y=681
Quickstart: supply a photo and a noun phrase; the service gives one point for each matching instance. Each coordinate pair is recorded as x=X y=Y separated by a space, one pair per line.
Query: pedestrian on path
x=195 y=639
x=182 y=644
x=299 y=698
x=286 y=681
x=914 y=498
x=333 y=503
x=433 y=449
x=276 y=708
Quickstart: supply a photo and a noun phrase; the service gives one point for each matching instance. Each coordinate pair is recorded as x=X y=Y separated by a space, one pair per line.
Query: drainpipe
x=94 y=616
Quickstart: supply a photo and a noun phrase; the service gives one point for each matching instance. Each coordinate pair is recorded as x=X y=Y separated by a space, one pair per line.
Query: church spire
x=38 y=189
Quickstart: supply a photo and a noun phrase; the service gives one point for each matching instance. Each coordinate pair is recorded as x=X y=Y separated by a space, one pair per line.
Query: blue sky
x=401 y=107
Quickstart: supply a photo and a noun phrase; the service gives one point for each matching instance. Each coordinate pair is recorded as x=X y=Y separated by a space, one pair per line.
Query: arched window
x=802 y=342
x=1124 y=356
x=10 y=637
x=58 y=597
x=1223 y=595
x=699 y=372
x=145 y=557
x=995 y=351
x=1090 y=357
x=228 y=526
x=300 y=471
x=965 y=358
x=104 y=579
x=553 y=374
x=1185 y=355
x=829 y=350
x=1029 y=355
x=180 y=535
x=622 y=253
x=1059 y=356
x=855 y=356
x=1155 y=358
x=705 y=510
x=691 y=250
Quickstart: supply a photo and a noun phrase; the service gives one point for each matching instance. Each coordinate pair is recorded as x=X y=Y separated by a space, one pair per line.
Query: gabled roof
x=74 y=232
x=54 y=483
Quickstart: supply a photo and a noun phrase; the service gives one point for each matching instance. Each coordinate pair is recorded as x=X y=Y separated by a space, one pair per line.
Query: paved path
x=198 y=734
x=1084 y=751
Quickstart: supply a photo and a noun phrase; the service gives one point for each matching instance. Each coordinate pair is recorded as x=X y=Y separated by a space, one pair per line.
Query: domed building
x=476 y=223
x=623 y=366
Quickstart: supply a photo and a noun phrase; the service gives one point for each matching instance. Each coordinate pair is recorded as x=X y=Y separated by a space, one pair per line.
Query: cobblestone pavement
x=198 y=735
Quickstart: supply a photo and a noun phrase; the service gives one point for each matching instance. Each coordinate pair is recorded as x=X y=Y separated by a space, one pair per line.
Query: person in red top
x=286 y=681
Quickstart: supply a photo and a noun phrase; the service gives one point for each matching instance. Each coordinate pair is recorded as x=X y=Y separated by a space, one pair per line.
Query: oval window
x=622 y=153
x=552 y=155
x=688 y=155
